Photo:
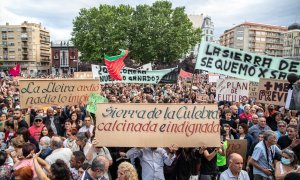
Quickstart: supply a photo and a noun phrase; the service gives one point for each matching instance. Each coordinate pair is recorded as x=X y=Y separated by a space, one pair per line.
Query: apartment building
x=207 y=27
x=256 y=38
x=292 y=42
x=27 y=44
x=64 y=58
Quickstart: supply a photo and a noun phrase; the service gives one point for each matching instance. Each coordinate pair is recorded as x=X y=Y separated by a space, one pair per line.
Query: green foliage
x=150 y=33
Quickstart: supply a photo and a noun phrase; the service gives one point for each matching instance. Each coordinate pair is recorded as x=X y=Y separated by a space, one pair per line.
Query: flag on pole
x=185 y=74
x=15 y=71
x=114 y=64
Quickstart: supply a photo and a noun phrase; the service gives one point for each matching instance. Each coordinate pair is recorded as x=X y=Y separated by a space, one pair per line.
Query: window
x=240 y=38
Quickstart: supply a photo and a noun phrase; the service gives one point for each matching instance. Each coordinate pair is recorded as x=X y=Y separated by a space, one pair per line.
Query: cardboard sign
x=232 y=62
x=232 y=90
x=237 y=146
x=157 y=125
x=213 y=77
x=272 y=91
x=253 y=89
x=83 y=75
x=130 y=75
x=43 y=92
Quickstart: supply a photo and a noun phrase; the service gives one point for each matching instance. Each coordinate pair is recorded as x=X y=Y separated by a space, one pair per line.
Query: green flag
x=93 y=100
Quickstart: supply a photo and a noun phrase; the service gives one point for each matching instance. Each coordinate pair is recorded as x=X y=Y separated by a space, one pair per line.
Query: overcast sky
x=57 y=15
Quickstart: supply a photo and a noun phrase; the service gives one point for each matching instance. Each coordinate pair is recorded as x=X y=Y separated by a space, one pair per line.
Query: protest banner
x=244 y=65
x=253 y=89
x=232 y=90
x=212 y=77
x=237 y=146
x=42 y=92
x=157 y=125
x=272 y=91
x=83 y=75
x=93 y=100
x=130 y=75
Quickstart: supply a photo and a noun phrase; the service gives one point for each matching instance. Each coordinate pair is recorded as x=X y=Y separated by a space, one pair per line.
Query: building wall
x=27 y=44
x=254 y=37
x=64 y=57
x=292 y=44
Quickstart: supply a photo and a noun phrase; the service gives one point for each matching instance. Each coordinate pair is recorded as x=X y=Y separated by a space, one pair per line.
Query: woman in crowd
x=9 y=132
x=24 y=173
x=85 y=146
x=294 y=121
x=70 y=142
x=24 y=133
x=44 y=146
x=126 y=171
x=75 y=122
x=287 y=164
x=67 y=127
x=243 y=134
x=5 y=169
x=27 y=160
x=47 y=132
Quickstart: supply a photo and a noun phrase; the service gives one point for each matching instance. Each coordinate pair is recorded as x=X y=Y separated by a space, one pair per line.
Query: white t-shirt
x=61 y=153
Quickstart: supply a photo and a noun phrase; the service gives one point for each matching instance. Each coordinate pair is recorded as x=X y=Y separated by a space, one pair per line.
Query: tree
x=154 y=33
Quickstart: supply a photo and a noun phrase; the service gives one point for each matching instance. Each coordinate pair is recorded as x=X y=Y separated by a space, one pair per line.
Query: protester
x=263 y=156
x=126 y=171
x=291 y=140
x=256 y=129
x=235 y=169
x=288 y=163
x=76 y=162
x=44 y=146
x=36 y=128
x=96 y=171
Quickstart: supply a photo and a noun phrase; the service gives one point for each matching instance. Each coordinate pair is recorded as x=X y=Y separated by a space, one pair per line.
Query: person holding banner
x=152 y=160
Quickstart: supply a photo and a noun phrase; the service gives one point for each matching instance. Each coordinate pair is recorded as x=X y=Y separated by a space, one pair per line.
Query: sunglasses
x=38 y=120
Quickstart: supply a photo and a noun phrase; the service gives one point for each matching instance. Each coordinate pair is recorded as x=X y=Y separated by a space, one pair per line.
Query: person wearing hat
x=36 y=128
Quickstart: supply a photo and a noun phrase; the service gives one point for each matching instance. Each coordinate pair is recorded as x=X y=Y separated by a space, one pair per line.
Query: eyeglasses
x=38 y=120
x=281 y=126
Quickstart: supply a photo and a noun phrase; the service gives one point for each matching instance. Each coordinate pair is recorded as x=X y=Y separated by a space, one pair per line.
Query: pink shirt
x=35 y=132
x=27 y=162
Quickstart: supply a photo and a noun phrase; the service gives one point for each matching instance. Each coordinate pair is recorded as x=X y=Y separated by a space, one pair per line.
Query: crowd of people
x=58 y=142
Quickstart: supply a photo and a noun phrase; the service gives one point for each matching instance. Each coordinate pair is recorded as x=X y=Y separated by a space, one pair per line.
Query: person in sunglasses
x=36 y=128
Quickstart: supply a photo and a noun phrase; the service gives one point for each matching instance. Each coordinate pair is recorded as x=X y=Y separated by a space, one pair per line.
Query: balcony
x=45 y=41
x=24 y=52
x=24 y=38
x=24 y=45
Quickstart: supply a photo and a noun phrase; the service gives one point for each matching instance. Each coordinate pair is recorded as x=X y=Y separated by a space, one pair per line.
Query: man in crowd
x=88 y=125
x=96 y=172
x=256 y=129
x=76 y=162
x=234 y=170
x=53 y=122
x=36 y=129
x=263 y=156
x=281 y=129
x=290 y=140
x=18 y=120
x=59 y=152
x=254 y=120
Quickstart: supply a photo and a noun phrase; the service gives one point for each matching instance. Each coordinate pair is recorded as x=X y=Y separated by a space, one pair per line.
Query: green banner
x=233 y=62
x=130 y=75
x=95 y=98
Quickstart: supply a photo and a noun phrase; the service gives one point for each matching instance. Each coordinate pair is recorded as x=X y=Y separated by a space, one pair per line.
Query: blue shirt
x=256 y=129
x=152 y=162
x=227 y=175
x=260 y=156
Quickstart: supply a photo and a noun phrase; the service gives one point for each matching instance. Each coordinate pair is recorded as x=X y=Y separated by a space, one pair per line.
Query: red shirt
x=35 y=132
x=244 y=116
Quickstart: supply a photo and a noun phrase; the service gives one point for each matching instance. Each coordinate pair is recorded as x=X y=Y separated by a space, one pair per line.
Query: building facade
x=64 y=58
x=27 y=44
x=257 y=38
x=207 y=27
x=292 y=42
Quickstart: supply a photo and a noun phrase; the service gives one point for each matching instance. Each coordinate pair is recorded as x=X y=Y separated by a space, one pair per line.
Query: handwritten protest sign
x=232 y=90
x=130 y=75
x=232 y=62
x=253 y=89
x=93 y=100
x=237 y=146
x=157 y=125
x=42 y=92
x=83 y=75
x=272 y=91
x=213 y=77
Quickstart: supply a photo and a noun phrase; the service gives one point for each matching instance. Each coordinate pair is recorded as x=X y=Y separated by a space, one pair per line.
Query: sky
x=57 y=15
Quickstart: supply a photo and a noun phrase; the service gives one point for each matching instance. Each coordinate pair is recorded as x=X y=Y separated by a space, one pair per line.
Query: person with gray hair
x=234 y=170
x=44 y=146
x=58 y=151
x=288 y=164
x=96 y=171
x=263 y=156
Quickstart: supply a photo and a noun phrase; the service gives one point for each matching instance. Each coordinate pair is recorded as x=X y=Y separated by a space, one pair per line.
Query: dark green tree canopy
x=154 y=33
